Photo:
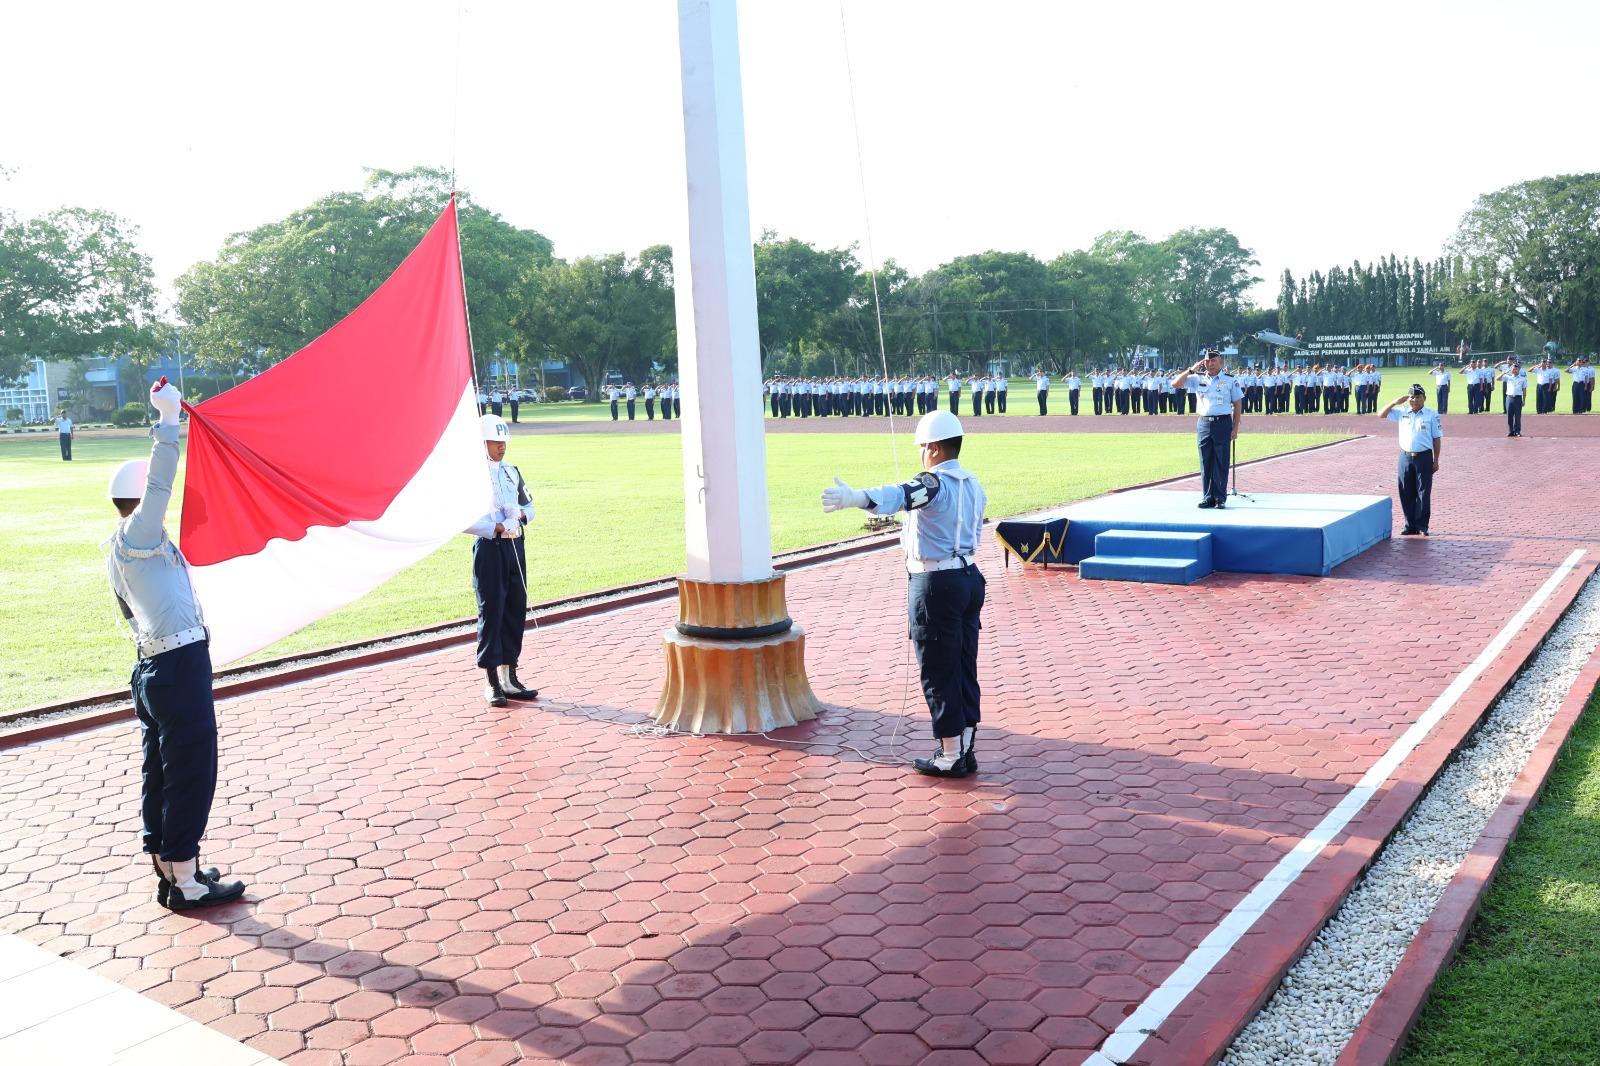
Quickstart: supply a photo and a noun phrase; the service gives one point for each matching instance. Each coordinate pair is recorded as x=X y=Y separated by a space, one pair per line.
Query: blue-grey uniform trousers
x=498 y=566
x=944 y=606
x=1214 y=433
x=178 y=723
x=1513 y=406
x=1416 y=487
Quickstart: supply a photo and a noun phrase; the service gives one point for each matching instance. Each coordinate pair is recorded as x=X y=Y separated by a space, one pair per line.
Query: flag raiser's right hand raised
x=165 y=397
x=838 y=496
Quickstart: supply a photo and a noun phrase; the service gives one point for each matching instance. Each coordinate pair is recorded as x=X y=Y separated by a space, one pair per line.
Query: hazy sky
x=1317 y=132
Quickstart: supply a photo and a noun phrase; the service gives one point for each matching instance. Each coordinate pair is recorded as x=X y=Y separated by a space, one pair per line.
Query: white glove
x=511 y=529
x=838 y=496
x=165 y=397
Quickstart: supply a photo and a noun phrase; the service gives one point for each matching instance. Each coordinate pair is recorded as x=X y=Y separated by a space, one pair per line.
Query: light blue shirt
x=1516 y=384
x=147 y=572
x=1217 y=395
x=1418 y=429
x=944 y=527
x=508 y=505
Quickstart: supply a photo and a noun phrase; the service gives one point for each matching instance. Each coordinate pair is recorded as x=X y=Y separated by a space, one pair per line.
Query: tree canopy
x=72 y=283
x=276 y=287
x=599 y=313
x=1531 y=252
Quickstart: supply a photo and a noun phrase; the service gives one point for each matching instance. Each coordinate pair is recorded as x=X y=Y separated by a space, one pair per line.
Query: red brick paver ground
x=438 y=881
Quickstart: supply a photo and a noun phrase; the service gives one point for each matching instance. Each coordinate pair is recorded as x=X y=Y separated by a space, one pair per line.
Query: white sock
x=184 y=880
x=966 y=738
x=505 y=676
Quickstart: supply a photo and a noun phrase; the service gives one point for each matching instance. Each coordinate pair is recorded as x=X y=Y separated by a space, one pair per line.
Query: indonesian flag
x=312 y=484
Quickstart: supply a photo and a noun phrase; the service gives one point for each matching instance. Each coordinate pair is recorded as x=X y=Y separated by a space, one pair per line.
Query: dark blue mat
x=1268 y=533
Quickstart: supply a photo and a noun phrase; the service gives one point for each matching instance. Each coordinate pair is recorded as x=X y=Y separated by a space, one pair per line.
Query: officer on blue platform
x=172 y=680
x=500 y=570
x=1421 y=445
x=1221 y=401
x=944 y=508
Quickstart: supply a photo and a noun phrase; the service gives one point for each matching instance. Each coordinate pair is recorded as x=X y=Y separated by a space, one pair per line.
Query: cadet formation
x=1277 y=390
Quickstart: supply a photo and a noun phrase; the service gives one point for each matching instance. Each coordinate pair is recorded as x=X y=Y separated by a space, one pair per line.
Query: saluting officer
x=172 y=680
x=1221 y=402
x=1515 y=383
x=1041 y=388
x=500 y=570
x=945 y=506
x=1421 y=445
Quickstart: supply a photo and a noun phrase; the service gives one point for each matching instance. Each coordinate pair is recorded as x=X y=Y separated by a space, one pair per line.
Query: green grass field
x=1523 y=988
x=610 y=512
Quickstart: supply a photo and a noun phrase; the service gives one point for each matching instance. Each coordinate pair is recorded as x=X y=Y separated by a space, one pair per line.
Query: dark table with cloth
x=1033 y=542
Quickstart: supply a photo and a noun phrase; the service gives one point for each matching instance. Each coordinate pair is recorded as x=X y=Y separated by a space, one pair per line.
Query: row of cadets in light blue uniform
x=944 y=508
x=1479 y=379
x=1582 y=385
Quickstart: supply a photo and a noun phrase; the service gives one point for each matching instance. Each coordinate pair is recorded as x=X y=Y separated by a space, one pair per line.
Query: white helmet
x=494 y=428
x=937 y=426
x=127 y=483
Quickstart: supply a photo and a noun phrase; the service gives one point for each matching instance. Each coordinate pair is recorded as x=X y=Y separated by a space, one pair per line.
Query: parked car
x=577 y=392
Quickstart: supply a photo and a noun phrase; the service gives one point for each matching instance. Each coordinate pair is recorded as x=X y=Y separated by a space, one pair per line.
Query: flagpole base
x=735 y=660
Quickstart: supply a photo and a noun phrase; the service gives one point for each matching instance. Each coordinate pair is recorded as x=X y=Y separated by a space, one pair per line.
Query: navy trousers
x=1214 y=436
x=498 y=566
x=1416 y=488
x=944 y=606
x=66 y=446
x=1513 y=406
x=178 y=726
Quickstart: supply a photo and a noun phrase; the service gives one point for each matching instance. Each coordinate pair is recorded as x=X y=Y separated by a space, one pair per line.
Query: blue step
x=1143 y=568
x=1154 y=544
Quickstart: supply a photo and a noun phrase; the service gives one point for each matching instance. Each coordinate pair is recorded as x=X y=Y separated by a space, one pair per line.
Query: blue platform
x=1267 y=533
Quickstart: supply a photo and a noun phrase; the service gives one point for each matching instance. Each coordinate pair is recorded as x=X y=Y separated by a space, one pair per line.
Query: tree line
x=73 y=284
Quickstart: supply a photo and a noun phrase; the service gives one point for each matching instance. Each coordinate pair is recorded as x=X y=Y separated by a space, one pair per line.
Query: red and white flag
x=310 y=485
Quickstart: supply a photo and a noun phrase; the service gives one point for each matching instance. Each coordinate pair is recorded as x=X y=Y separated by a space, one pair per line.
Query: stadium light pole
x=735 y=660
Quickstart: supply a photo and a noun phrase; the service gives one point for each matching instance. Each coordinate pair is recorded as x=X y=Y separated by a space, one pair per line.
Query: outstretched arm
x=145 y=525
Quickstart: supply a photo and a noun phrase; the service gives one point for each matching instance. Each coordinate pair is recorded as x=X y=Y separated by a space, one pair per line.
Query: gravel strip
x=1327 y=993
